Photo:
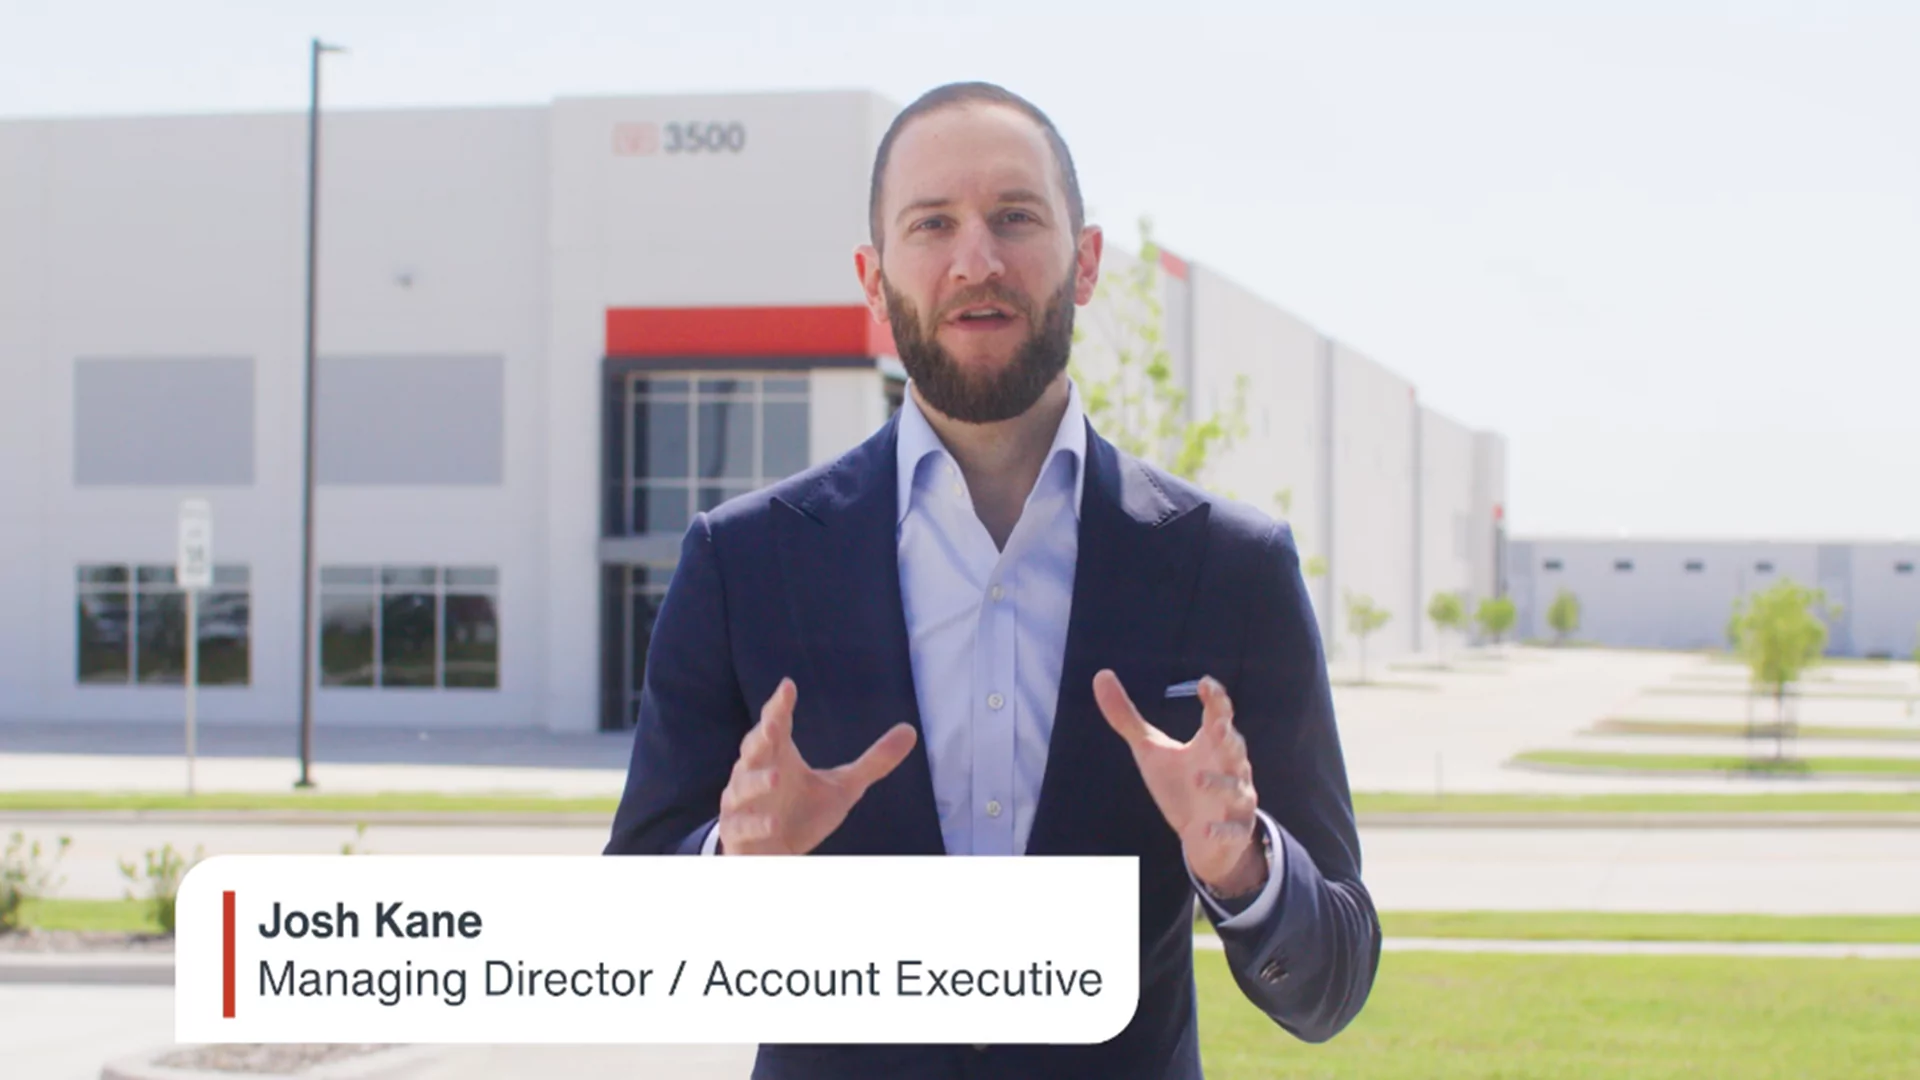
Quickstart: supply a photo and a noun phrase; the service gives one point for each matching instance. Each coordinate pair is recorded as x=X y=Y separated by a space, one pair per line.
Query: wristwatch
x=1266 y=857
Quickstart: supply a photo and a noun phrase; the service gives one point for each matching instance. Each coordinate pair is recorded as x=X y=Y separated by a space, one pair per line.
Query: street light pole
x=306 y=460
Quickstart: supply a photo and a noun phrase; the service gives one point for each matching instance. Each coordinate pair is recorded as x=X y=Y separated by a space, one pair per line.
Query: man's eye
x=929 y=224
x=1019 y=217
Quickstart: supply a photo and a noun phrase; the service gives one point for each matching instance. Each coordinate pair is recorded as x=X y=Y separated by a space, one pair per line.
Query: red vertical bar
x=226 y=957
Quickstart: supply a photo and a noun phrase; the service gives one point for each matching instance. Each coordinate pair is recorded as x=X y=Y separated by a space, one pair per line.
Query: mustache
x=988 y=293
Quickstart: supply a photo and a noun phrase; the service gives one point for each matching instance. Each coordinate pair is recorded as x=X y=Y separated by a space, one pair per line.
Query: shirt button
x=997 y=592
x=993 y=807
x=994 y=701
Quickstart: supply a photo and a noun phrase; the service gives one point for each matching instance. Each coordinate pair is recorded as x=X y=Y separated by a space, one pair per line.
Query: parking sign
x=194 y=566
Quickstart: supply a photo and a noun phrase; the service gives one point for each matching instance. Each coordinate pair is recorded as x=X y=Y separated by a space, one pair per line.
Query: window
x=1695 y=566
x=1623 y=566
x=424 y=627
x=1551 y=564
x=1763 y=567
x=697 y=442
x=1903 y=568
x=132 y=627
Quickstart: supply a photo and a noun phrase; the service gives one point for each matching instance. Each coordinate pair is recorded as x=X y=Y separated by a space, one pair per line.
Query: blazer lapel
x=840 y=560
x=1141 y=546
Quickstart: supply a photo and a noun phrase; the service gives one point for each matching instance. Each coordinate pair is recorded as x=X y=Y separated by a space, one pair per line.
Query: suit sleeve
x=1310 y=963
x=692 y=714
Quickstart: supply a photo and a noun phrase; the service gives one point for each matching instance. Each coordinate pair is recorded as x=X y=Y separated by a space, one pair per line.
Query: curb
x=1910 y=779
x=86 y=969
x=393 y=1063
x=557 y=819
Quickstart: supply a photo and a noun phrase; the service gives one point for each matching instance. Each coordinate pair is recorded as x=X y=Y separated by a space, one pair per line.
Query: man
x=986 y=631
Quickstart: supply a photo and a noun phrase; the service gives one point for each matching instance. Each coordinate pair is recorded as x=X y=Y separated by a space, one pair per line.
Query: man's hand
x=776 y=804
x=1204 y=788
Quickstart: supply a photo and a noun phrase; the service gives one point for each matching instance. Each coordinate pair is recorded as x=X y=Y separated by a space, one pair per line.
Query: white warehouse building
x=547 y=336
x=1679 y=594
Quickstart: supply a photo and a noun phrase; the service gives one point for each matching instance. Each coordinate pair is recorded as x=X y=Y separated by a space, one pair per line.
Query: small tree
x=1781 y=633
x=1448 y=612
x=1564 y=615
x=1363 y=618
x=1495 y=616
x=1139 y=405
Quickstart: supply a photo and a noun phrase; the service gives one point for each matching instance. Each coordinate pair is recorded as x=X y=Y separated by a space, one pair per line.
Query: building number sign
x=645 y=138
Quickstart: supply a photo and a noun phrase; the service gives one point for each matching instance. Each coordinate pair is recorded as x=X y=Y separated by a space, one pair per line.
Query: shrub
x=23 y=877
x=161 y=874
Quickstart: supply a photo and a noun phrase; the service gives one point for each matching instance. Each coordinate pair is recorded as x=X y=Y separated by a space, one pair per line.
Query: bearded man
x=986 y=631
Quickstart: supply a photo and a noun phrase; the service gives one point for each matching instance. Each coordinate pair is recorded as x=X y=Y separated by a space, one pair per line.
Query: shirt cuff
x=1269 y=896
x=711 y=845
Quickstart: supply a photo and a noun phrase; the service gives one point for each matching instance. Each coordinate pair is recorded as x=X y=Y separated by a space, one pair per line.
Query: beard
x=989 y=396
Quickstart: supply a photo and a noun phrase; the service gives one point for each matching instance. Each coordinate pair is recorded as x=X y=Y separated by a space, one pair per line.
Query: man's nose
x=976 y=254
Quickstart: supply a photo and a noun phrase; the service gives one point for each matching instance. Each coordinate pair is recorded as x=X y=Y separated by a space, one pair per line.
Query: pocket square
x=1190 y=688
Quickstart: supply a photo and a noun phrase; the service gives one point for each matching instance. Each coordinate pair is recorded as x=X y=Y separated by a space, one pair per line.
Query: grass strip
x=1804 y=693
x=1442 y=1016
x=1738 y=730
x=1723 y=763
x=120 y=916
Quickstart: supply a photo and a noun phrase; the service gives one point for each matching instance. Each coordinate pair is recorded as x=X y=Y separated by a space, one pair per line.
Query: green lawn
x=1441 y=1016
x=1830 y=802
x=1613 y=926
x=1601 y=760
x=1735 y=729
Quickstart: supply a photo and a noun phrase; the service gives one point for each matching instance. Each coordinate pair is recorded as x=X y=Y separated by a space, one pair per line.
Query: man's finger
x=1217 y=781
x=739 y=830
x=1118 y=708
x=1217 y=707
x=884 y=756
x=775 y=729
x=746 y=786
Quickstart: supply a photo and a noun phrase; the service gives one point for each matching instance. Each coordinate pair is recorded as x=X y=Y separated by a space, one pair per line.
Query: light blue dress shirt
x=987 y=636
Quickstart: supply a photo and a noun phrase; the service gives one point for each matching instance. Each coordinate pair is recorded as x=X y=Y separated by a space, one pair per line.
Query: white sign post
x=193 y=570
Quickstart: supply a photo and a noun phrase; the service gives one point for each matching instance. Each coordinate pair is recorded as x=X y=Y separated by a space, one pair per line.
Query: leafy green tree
x=1447 y=612
x=1564 y=615
x=1781 y=632
x=1363 y=618
x=1495 y=616
x=1138 y=404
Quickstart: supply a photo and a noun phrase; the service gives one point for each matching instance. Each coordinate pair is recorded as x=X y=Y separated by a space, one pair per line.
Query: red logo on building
x=636 y=139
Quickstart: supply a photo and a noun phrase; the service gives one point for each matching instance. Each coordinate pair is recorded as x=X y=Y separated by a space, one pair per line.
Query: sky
x=1670 y=250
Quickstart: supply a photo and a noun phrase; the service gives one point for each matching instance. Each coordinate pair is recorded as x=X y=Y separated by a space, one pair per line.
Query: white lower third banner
x=591 y=949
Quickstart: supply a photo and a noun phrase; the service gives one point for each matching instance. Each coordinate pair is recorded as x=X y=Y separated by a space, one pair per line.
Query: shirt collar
x=917 y=440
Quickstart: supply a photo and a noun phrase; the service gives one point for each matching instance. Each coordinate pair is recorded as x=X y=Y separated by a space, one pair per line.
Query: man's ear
x=1086 y=263
x=866 y=263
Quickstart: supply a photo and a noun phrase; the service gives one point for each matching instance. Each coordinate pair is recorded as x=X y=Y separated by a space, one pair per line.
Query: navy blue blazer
x=802 y=580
